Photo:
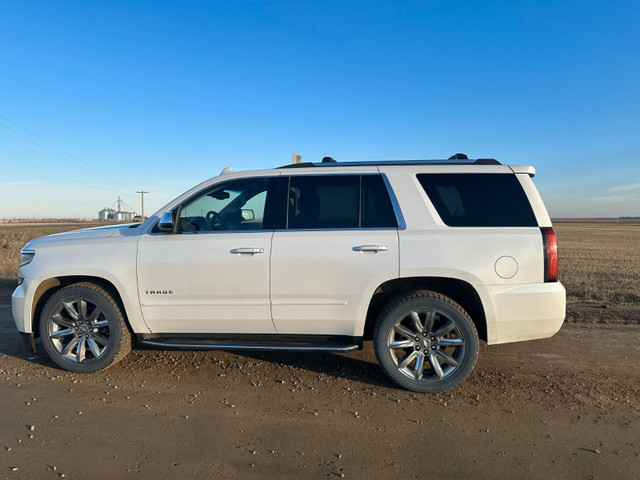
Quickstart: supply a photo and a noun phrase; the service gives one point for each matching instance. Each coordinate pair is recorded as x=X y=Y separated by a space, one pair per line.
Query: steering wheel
x=215 y=221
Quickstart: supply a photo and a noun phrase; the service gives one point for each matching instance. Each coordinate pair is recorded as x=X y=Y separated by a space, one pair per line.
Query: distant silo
x=123 y=216
x=119 y=215
x=106 y=214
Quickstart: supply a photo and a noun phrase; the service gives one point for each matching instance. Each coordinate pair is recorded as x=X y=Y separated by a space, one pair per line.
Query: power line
x=32 y=165
x=75 y=161
x=72 y=160
x=98 y=187
x=101 y=180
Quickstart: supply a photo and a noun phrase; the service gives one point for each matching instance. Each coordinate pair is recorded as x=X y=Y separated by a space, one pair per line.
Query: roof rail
x=479 y=161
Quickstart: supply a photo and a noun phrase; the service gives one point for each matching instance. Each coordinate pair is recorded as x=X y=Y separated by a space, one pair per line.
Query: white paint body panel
x=320 y=285
x=208 y=289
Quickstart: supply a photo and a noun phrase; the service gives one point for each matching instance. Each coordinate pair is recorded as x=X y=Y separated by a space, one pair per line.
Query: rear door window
x=479 y=200
x=339 y=201
x=377 y=209
x=324 y=202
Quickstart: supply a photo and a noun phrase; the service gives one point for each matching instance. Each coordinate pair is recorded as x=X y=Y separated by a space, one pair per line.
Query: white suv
x=423 y=257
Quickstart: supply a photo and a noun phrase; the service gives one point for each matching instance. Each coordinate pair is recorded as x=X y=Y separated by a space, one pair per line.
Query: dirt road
x=567 y=407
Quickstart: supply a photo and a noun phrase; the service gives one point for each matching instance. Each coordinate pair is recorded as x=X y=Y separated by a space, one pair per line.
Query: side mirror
x=247 y=214
x=166 y=223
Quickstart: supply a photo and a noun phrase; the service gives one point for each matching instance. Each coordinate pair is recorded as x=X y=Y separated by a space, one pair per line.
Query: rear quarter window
x=479 y=200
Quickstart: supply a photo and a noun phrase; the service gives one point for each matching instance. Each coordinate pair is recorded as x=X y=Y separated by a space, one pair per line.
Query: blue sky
x=100 y=99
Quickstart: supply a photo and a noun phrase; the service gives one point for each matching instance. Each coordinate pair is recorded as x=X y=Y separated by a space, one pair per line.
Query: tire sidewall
x=112 y=315
x=399 y=310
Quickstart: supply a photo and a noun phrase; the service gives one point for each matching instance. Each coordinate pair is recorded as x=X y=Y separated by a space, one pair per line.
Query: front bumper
x=22 y=314
x=21 y=301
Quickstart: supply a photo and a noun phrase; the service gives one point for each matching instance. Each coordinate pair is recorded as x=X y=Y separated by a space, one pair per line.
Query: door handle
x=371 y=248
x=246 y=251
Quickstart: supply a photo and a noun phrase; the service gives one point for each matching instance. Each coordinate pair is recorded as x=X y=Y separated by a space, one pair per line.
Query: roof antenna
x=328 y=160
x=458 y=156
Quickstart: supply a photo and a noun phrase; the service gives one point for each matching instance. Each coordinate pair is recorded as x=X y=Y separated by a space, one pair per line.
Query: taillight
x=550 y=245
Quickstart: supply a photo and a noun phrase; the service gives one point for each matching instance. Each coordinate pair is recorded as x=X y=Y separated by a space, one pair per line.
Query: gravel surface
x=566 y=407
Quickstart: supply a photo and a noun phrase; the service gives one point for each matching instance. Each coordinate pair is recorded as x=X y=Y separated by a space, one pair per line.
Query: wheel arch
x=49 y=286
x=458 y=290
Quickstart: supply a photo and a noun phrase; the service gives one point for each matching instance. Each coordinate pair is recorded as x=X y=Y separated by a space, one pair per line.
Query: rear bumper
x=524 y=312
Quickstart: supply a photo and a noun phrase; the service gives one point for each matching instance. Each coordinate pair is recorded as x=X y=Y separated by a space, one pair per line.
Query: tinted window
x=235 y=205
x=330 y=201
x=479 y=200
x=339 y=201
x=377 y=210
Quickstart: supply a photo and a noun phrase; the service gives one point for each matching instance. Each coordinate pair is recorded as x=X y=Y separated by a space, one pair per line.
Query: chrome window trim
x=207 y=232
x=333 y=229
x=402 y=225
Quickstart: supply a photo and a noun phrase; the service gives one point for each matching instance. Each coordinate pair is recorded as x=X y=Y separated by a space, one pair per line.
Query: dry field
x=600 y=268
x=14 y=236
x=600 y=260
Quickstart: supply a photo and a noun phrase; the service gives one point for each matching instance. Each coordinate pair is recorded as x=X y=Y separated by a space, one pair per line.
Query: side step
x=339 y=343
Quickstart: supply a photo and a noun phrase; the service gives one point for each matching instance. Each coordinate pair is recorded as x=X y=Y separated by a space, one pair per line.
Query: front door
x=211 y=275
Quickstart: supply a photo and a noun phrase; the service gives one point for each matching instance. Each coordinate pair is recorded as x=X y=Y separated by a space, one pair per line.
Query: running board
x=309 y=343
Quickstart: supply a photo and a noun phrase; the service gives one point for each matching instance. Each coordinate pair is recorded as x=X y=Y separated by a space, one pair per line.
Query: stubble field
x=600 y=268
x=561 y=408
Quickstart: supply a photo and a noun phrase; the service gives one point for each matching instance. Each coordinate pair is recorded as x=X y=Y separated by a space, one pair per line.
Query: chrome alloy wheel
x=426 y=345
x=79 y=330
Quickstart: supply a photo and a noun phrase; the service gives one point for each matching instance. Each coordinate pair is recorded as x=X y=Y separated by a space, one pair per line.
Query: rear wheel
x=83 y=329
x=425 y=342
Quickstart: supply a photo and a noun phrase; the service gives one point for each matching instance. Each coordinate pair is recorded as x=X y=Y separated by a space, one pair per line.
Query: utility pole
x=142 y=192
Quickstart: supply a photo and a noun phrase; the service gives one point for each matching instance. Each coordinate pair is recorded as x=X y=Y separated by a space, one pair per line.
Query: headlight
x=26 y=256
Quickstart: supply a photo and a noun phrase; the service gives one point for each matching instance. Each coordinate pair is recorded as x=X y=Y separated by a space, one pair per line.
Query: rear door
x=337 y=244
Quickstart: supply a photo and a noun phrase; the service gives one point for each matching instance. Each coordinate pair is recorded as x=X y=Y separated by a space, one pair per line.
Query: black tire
x=421 y=322
x=83 y=330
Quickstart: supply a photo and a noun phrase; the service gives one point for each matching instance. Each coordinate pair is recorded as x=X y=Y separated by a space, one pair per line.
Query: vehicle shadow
x=325 y=363
x=12 y=345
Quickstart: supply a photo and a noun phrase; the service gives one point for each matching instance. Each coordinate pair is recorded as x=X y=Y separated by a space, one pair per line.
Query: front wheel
x=425 y=342
x=83 y=329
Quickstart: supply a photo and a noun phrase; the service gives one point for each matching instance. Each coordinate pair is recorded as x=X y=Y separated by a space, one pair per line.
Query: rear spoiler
x=529 y=170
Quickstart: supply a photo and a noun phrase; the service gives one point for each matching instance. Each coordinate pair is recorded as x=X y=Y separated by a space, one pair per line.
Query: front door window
x=235 y=205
